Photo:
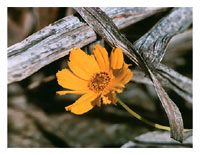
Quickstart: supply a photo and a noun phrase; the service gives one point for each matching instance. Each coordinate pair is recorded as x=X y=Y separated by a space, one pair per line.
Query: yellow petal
x=83 y=104
x=81 y=64
x=116 y=58
x=64 y=92
x=124 y=76
x=128 y=76
x=109 y=98
x=97 y=101
x=69 y=80
x=119 y=90
x=101 y=56
x=106 y=100
x=115 y=85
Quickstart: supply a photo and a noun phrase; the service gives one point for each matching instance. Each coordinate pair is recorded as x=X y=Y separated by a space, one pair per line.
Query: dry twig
x=153 y=44
x=57 y=39
x=105 y=27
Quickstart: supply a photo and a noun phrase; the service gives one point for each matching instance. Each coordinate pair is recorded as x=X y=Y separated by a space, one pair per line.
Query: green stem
x=134 y=114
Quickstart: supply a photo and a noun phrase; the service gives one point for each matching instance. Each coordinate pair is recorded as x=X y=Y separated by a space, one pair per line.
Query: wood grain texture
x=168 y=77
x=46 y=46
x=56 y=40
x=153 y=44
x=105 y=27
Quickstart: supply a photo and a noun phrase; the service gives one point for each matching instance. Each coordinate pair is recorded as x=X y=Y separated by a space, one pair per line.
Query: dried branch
x=179 y=45
x=153 y=44
x=57 y=39
x=182 y=87
x=168 y=77
x=46 y=46
x=173 y=80
x=124 y=17
x=104 y=26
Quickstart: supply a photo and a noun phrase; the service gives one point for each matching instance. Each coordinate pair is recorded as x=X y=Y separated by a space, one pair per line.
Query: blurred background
x=36 y=115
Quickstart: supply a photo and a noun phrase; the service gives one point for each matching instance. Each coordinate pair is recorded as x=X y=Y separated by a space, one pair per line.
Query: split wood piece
x=56 y=40
x=178 y=83
x=105 y=27
x=152 y=45
x=182 y=85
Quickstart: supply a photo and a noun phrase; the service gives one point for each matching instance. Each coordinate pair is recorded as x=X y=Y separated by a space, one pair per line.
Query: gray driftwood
x=105 y=27
x=153 y=44
x=156 y=139
x=57 y=39
x=168 y=77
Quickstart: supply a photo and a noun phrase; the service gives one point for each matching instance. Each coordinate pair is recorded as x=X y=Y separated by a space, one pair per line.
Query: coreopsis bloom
x=95 y=76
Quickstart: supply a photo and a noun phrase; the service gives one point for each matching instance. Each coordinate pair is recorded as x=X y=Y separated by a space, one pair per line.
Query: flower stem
x=134 y=114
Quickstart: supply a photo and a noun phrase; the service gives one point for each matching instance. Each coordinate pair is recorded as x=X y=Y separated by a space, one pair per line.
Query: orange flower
x=96 y=76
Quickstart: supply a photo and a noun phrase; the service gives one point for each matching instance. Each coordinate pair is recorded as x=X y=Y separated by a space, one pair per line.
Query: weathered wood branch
x=178 y=45
x=168 y=77
x=104 y=26
x=57 y=39
x=153 y=44
x=175 y=81
x=182 y=87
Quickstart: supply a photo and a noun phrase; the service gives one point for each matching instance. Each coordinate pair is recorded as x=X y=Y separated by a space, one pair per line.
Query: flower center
x=99 y=81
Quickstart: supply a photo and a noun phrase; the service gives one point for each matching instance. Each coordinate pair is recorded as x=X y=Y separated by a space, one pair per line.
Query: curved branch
x=104 y=26
x=153 y=44
x=56 y=40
